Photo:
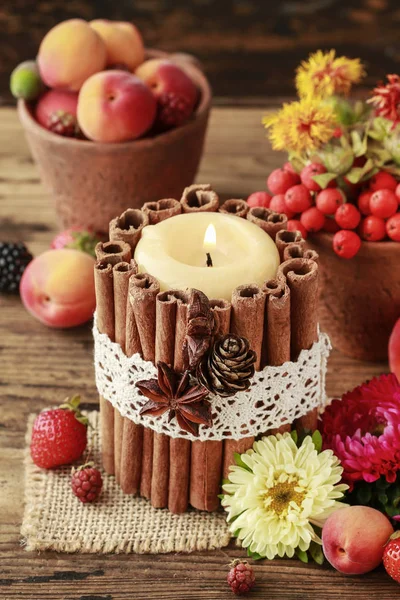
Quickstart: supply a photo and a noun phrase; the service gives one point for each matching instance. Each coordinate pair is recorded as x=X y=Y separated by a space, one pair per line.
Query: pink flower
x=386 y=99
x=363 y=430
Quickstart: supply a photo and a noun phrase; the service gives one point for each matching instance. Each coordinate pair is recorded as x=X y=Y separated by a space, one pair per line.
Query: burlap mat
x=54 y=519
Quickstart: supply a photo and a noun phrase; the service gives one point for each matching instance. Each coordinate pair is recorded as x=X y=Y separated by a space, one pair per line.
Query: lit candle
x=175 y=252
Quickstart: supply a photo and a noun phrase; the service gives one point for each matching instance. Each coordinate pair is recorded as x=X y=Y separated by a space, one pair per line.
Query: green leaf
x=317 y=440
x=359 y=145
x=364 y=494
x=294 y=436
x=225 y=482
x=254 y=555
x=356 y=174
x=383 y=499
x=303 y=556
x=316 y=553
x=324 y=179
x=238 y=460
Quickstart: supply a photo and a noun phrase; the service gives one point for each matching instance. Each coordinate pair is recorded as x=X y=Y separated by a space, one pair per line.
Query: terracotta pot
x=360 y=298
x=92 y=182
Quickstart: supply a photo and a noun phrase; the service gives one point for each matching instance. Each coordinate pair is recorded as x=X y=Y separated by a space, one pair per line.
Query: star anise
x=199 y=328
x=174 y=392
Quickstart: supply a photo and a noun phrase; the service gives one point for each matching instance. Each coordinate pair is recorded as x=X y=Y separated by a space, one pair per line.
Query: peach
x=69 y=54
x=54 y=101
x=123 y=42
x=174 y=90
x=115 y=106
x=394 y=350
x=354 y=538
x=57 y=288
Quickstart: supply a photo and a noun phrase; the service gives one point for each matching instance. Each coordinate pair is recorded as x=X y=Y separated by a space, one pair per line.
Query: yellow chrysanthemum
x=324 y=75
x=301 y=126
x=285 y=491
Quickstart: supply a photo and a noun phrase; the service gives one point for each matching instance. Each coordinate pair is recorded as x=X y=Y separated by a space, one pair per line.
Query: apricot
x=123 y=42
x=70 y=53
x=57 y=288
x=354 y=538
x=394 y=350
x=115 y=106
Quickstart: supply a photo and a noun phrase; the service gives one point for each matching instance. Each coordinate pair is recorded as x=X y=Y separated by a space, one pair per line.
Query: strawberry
x=78 y=239
x=391 y=556
x=59 y=435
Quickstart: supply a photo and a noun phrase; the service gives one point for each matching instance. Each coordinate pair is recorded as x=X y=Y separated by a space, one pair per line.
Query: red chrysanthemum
x=386 y=99
x=363 y=430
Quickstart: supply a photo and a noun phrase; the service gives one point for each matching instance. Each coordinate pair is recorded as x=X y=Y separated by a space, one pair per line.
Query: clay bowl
x=360 y=298
x=92 y=182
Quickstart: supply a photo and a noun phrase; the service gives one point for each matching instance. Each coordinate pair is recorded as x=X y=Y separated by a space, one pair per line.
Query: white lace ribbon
x=277 y=395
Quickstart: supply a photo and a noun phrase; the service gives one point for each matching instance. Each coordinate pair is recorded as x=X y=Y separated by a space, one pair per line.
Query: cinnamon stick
x=236 y=207
x=179 y=448
x=276 y=341
x=121 y=274
x=286 y=239
x=270 y=221
x=116 y=249
x=248 y=307
x=162 y=209
x=128 y=227
x=199 y=198
x=301 y=275
x=299 y=251
x=143 y=290
x=206 y=457
x=103 y=278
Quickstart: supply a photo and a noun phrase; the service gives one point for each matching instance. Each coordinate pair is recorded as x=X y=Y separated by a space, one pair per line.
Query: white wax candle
x=175 y=252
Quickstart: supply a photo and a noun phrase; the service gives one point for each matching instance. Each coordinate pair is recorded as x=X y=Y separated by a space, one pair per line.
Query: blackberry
x=14 y=259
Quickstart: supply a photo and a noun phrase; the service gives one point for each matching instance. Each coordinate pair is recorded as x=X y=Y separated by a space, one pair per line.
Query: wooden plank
x=39 y=367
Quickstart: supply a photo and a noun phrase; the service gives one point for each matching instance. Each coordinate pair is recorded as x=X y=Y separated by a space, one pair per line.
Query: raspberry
x=278 y=204
x=308 y=173
x=14 y=258
x=259 y=199
x=363 y=202
x=279 y=181
x=295 y=225
x=63 y=123
x=373 y=229
x=382 y=181
x=397 y=192
x=346 y=243
x=329 y=200
x=241 y=577
x=393 y=227
x=347 y=216
x=383 y=203
x=173 y=109
x=330 y=225
x=298 y=198
x=312 y=219
x=86 y=483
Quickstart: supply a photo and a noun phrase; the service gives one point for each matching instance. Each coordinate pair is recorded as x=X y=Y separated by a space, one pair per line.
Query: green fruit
x=25 y=81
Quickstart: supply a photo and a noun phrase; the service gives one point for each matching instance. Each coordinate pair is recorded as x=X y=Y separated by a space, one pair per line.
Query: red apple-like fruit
x=56 y=111
x=115 y=106
x=354 y=538
x=394 y=350
x=57 y=288
x=174 y=90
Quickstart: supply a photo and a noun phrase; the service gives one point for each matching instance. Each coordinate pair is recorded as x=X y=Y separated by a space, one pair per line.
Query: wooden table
x=39 y=367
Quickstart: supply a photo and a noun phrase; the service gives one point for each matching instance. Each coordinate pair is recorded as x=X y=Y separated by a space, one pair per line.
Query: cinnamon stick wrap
x=128 y=227
x=162 y=209
x=103 y=279
x=276 y=340
x=248 y=307
x=236 y=207
x=117 y=250
x=299 y=251
x=121 y=274
x=199 y=198
x=301 y=275
x=206 y=457
x=286 y=239
x=270 y=221
x=143 y=290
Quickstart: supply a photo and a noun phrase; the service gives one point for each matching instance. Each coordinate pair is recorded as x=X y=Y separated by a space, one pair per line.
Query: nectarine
x=394 y=350
x=123 y=42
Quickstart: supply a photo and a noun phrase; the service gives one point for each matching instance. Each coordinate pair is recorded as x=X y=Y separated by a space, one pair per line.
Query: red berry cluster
x=372 y=217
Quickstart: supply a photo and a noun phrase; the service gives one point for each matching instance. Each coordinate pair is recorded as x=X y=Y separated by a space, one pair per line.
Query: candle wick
x=209 y=260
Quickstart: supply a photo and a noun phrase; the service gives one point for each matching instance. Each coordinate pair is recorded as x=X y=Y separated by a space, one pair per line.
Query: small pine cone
x=229 y=366
x=86 y=483
x=241 y=577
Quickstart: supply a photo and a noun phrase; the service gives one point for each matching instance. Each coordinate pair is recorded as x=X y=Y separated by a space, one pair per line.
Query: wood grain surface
x=248 y=47
x=39 y=367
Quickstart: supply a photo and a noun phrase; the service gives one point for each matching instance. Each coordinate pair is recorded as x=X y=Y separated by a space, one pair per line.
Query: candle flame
x=210 y=238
